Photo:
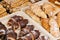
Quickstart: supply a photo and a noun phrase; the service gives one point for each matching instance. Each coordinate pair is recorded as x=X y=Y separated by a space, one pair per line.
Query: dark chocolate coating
x=17 y=18
x=14 y=25
x=2 y=26
x=23 y=23
x=36 y=34
x=27 y=37
x=26 y=30
x=12 y=35
x=42 y=38
x=11 y=22
x=30 y=27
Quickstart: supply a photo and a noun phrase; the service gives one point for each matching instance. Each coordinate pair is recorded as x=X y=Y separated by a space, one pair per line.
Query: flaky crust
x=50 y=9
x=33 y=16
x=37 y=10
x=45 y=23
x=58 y=19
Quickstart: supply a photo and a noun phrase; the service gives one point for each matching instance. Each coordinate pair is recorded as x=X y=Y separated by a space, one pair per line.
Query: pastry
x=31 y=36
x=32 y=15
x=15 y=3
x=3 y=31
x=3 y=14
x=50 y=9
x=26 y=30
x=37 y=11
x=45 y=24
x=11 y=35
x=2 y=9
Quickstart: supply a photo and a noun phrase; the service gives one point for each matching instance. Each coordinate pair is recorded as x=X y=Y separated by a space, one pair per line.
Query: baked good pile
x=19 y=30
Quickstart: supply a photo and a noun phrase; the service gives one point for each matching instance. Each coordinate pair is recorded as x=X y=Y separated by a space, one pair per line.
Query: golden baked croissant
x=50 y=9
x=3 y=14
x=32 y=15
x=45 y=23
x=2 y=9
x=37 y=10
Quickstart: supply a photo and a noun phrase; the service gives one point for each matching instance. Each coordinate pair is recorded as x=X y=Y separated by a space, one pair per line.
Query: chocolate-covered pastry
x=11 y=22
x=3 y=30
x=26 y=30
x=2 y=26
x=14 y=19
x=17 y=29
x=23 y=23
x=11 y=35
x=36 y=33
x=3 y=37
x=31 y=36
x=27 y=37
x=14 y=25
x=17 y=18
x=44 y=38
x=20 y=30
x=30 y=27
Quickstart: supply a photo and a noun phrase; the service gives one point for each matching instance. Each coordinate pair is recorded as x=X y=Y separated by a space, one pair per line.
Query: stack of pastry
x=2 y=11
x=47 y=15
x=18 y=29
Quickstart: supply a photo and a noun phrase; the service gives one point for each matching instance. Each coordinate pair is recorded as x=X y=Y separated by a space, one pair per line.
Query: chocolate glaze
x=23 y=23
x=17 y=18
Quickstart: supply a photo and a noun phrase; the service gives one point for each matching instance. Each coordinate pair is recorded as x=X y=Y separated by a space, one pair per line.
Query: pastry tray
x=5 y=19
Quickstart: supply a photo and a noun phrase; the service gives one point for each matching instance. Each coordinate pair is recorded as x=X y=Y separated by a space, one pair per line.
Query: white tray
x=5 y=19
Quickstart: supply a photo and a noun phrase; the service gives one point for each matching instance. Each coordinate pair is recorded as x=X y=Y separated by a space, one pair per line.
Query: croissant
x=37 y=11
x=50 y=9
x=45 y=23
x=32 y=15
